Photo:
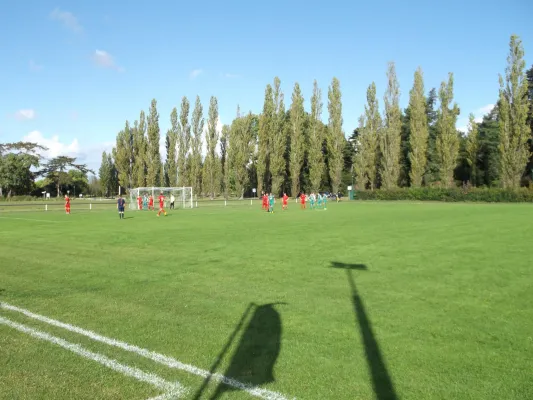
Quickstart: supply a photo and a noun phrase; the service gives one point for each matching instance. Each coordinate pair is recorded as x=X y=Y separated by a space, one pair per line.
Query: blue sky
x=73 y=72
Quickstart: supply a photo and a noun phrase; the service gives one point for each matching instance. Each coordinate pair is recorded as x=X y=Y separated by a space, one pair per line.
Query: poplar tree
x=278 y=146
x=447 y=143
x=369 y=125
x=105 y=174
x=316 y=140
x=224 y=164
x=140 y=147
x=184 y=142
x=335 y=136
x=472 y=148
x=123 y=156
x=196 y=154
x=171 y=168
x=212 y=140
x=241 y=146
x=513 y=105
x=390 y=138
x=153 y=158
x=297 y=150
x=361 y=155
x=418 y=123
x=264 y=140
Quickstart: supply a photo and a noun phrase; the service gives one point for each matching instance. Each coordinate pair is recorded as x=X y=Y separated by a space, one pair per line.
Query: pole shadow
x=381 y=379
x=253 y=361
x=2 y=291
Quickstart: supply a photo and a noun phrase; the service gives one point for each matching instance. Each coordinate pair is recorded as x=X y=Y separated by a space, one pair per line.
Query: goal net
x=182 y=197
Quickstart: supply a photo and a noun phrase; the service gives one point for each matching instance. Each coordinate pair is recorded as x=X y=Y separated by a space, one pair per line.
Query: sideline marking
x=157 y=357
x=174 y=389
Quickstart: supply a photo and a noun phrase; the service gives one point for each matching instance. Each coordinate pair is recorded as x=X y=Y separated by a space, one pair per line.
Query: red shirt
x=139 y=199
x=265 y=199
x=161 y=200
x=285 y=198
x=67 y=201
x=151 y=200
x=302 y=198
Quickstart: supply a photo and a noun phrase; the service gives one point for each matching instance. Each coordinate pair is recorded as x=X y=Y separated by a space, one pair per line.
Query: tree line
x=290 y=149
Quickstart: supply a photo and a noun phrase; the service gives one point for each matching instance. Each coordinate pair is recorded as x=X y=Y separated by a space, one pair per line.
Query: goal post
x=183 y=197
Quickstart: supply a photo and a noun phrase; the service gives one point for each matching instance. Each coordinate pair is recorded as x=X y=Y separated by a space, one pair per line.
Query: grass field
x=362 y=301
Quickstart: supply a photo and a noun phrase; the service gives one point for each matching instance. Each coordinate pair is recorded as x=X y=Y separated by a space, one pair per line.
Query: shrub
x=489 y=195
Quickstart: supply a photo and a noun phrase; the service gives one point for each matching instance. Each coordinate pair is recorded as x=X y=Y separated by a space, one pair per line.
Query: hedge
x=490 y=195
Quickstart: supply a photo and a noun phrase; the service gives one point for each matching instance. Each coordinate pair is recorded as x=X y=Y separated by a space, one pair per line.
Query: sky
x=74 y=72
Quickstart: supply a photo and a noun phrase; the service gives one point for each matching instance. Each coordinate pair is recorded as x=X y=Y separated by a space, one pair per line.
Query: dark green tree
x=16 y=176
x=171 y=142
x=57 y=170
x=153 y=157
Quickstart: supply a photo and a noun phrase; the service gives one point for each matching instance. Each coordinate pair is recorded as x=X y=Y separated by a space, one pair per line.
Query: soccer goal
x=182 y=197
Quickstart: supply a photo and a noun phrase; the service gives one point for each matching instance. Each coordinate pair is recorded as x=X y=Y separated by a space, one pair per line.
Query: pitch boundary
x=173 y=389
x=157 y=357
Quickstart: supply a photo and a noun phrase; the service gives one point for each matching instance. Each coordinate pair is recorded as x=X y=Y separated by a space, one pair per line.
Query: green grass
x=364 y=300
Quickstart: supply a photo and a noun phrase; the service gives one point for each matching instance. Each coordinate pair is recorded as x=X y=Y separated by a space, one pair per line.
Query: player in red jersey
x=140 y=202
x=161 y=204
x=151 y=203
x=265 y=202
x=263 y=198
x=302 y=200
x=285 y=203
x=67 y=204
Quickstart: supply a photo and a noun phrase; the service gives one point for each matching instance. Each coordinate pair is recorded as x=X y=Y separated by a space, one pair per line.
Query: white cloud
x=195 y=73
x=25 y=114
x=462 y=123
x=68 y=19
x=34 y=66
x=231 y=76
x=54 y=145
x=104 y=59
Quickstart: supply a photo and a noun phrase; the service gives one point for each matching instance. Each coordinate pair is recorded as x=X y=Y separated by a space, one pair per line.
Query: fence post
x=225 y=203
x=46 y=207
x=251 y=202
x=90 y=206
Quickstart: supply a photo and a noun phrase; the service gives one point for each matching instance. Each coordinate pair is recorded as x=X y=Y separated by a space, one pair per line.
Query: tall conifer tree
x=316 y=140
x=390 y=138
x=514 y=129
x=447 y=143
x=153 y=158
x=418 y=123
x=335 y=135
x=297 y=150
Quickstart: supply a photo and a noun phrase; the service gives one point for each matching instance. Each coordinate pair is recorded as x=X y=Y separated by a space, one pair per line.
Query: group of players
x=315 y=200
x=147 y=203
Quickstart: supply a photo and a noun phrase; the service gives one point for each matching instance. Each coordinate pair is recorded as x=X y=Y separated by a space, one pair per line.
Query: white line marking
x=157 y=357
x=173 y=388
x=32 y=219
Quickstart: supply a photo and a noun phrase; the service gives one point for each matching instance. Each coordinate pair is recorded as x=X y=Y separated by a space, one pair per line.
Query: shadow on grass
x=257 y=352
x=381 y=380
x=2 y=291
